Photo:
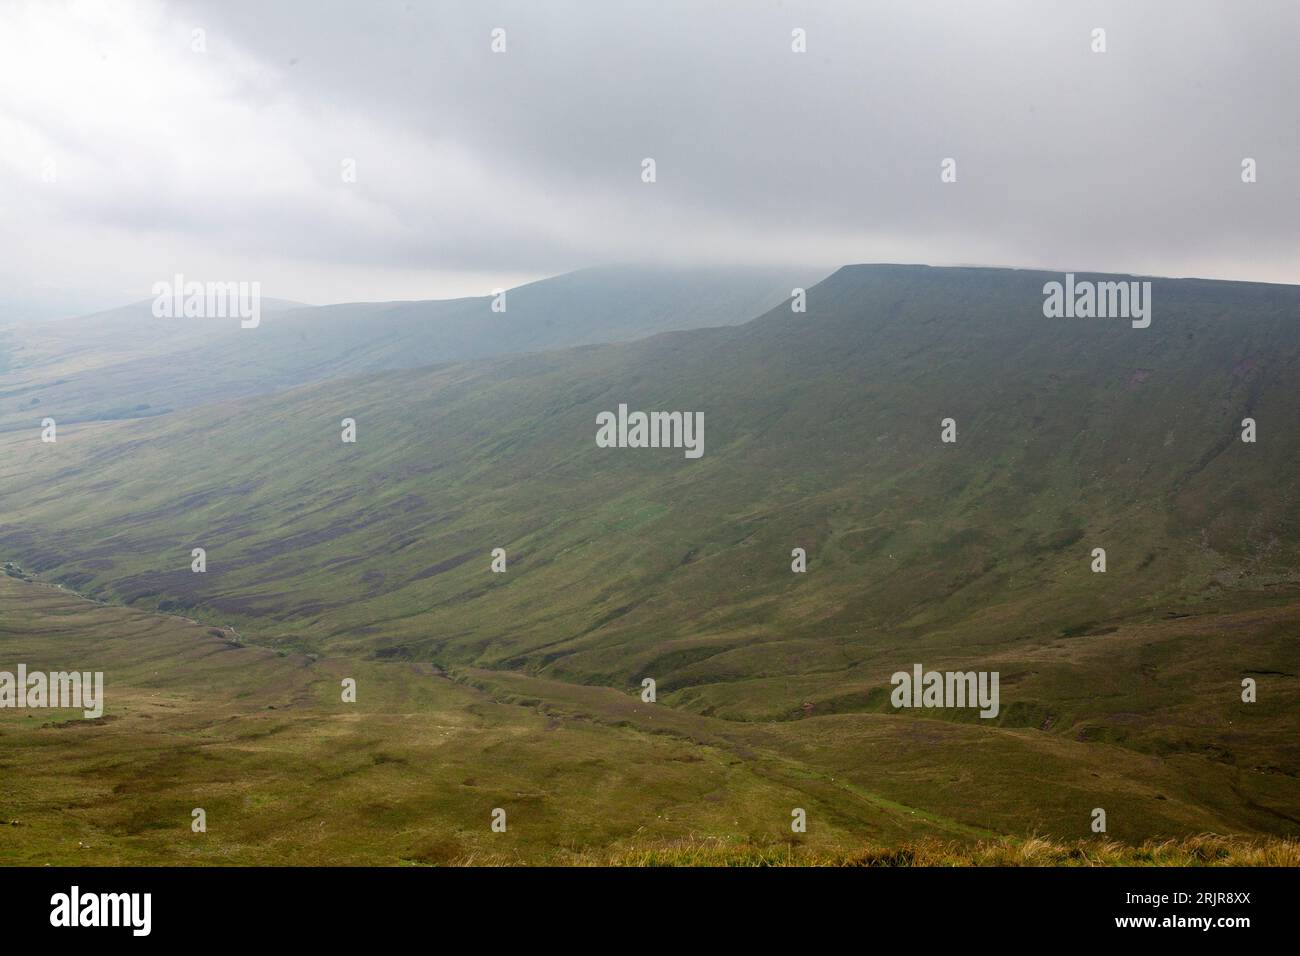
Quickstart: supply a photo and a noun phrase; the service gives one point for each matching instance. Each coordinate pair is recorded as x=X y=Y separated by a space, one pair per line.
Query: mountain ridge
x=125 y=363
x=822 y=431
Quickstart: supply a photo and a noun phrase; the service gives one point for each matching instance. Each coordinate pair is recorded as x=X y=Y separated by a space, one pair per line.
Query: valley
x=520 y=690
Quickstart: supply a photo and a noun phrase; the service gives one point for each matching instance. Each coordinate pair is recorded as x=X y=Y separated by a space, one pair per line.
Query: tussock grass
x=1203 y=850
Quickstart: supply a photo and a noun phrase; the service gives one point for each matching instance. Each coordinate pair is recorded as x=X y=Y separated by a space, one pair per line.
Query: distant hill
x=125 y=363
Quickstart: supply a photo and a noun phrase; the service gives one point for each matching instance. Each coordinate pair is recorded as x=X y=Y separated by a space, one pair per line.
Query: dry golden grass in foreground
x=1203 y=850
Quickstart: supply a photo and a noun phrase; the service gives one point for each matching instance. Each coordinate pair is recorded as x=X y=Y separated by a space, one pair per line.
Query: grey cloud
x=529 y=161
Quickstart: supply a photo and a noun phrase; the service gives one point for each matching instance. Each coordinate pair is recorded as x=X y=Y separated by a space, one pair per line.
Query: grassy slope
x=126 y=364
x=410 y=773
x=1205 y=850
x=821 y=431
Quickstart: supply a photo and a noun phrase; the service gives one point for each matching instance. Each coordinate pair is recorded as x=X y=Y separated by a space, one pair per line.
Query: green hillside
x=126 y=363
x=822 y=431
x=410 y=773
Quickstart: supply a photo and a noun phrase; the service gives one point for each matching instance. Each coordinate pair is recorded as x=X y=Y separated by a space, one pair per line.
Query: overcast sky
x=477 y=169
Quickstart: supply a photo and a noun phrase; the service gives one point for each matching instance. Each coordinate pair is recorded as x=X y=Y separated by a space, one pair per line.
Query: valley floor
x=412 y=772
